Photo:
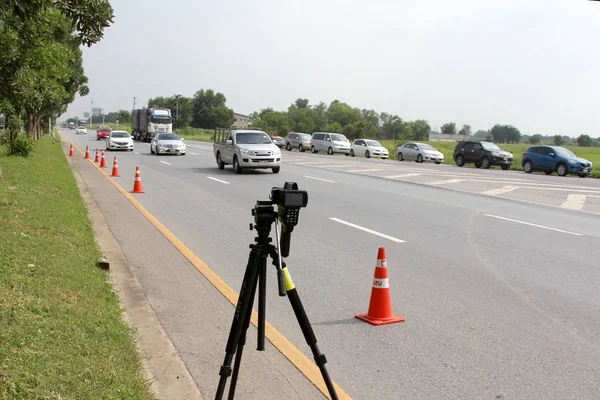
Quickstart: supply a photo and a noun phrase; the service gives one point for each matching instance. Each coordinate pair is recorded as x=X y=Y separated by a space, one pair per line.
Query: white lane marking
x=574 y=201
x=365 y=170
x=137 y=153
x=446 y=182
x=194 y=154
x=496 y=192
x=164 y=162
x=319 y=179
x=530 y=224
x=218 y=180
x=311 y=163
x=401 y=176
x=383 y=235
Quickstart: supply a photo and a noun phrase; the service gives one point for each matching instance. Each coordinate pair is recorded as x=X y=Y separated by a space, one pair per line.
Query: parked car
x=279 y=141
x=419 y=152
x=329 y=142
x=119 y=140
x=102 y=132
x=554 y=158
x=368 y=148
x=245 y=149
x=81 y=129
x=481 y=153
x=297 y=140
x=167 y=143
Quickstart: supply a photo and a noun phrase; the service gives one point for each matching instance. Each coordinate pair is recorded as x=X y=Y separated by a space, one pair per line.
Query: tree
x=181 y=108
x=420 y=130
x=392 y=126
x=360 y=129
x=209 y=110
x=536 y=139
x=558 y=140
x=449 y=128
x=465 y=130
x=584 y=141
x=342 y=113
x=301 y=103
x=505 y=134
x=124 y=116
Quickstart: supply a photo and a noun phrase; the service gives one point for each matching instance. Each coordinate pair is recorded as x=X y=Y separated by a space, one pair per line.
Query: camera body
x=289 y=201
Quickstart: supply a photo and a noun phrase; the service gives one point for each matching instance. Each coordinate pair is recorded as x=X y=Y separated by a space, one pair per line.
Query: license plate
x=263 y=162
x=586 y=170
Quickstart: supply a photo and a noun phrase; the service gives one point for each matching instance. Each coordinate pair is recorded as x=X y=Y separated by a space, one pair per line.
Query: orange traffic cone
x=87 y=152
x=71 y=152
x=115 y=171
x=137 y=185
x=97 y=159
x=103 y=161
x=380 y=306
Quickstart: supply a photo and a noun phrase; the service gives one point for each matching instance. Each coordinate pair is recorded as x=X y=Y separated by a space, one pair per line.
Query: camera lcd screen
x=294 y=199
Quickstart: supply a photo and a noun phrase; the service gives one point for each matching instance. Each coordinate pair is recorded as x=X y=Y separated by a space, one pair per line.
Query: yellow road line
x=281 y=343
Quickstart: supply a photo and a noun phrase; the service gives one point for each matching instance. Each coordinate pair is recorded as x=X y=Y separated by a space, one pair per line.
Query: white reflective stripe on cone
x=381 y=283
x=381 y=264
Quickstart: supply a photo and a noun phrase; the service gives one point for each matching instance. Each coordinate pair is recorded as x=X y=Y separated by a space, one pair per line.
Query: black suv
x=481 y=153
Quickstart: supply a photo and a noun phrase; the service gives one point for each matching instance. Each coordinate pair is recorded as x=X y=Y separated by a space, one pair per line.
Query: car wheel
x=548 y=172
x=313 y=150
x=562 y=169
x=301 y=149
x=384 y=158
x=367 y=154
x=460 y=161
x=151 y=150
x=220 y=162
x=330 y=151
x=352 y=153
x=288 y=147
x=528 y=167
x=485 y=163
x=275 y=170
x=477 y=165
x=419 y=158
x=400 y=157
x=236 y=165
x=505 y=167
x=438 y=162
x=582 y=175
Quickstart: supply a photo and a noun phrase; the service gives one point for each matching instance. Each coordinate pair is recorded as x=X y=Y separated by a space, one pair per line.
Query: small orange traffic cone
x=380 y=306
x=103 y=161
x=137 y=185
x=97 y=159
x=87 y=152
x=115 y=171
x=71 y=152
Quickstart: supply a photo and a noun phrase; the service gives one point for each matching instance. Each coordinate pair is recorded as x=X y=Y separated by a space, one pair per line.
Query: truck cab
x=245 y=149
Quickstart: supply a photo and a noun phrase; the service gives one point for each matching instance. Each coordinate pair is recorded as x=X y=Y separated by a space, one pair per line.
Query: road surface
x=501 y=297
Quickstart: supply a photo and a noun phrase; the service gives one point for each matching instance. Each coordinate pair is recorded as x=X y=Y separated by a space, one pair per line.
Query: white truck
x=245 y=149
x=147 y=122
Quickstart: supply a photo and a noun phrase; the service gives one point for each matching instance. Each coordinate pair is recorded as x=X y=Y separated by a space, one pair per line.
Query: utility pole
x=177 y=117
x=92 y=114
x=134 y=99
x=103 y=116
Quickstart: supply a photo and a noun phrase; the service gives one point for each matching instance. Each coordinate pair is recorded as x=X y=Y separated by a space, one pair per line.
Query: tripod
x=255 y=275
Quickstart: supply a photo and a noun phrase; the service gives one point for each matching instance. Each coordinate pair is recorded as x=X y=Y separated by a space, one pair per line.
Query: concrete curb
x=168 y=376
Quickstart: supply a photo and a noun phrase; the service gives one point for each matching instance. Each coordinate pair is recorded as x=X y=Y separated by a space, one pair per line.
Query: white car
x=81 y=129
x=167 y=143
x=368 y=148
x=419 y=152
x=119 y=140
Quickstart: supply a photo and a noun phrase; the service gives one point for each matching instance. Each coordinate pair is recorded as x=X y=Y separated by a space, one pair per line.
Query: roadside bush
x=17 y=144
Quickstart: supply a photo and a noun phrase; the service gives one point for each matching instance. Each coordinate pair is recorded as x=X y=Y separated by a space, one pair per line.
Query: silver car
x=297 y=140
x=419 y=152
x=167 y=143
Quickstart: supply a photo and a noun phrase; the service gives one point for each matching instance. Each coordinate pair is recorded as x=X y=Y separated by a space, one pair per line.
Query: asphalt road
x=500 y=297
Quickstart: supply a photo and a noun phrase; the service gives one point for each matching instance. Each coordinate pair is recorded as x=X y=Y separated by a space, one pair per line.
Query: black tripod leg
x=262 y=303
x=244 y=305
x=309 y=335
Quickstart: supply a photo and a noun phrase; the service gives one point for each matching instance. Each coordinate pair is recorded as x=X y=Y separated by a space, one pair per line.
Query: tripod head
x=289 y=200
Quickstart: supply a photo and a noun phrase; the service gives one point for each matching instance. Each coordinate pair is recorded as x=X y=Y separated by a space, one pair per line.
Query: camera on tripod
x=289 y=201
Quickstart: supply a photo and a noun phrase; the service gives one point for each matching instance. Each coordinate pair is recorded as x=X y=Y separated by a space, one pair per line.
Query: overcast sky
x=529 y=63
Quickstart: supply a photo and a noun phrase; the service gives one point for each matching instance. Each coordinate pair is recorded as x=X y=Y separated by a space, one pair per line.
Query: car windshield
x=490 y=146
x=305 y=137
x=161 y=119
x=427 y=147
x=374 y=143
x=119 y=134
x=561 y=151
x=339 y=138
x=252 y=138
x=81 y=127
x=168 y=136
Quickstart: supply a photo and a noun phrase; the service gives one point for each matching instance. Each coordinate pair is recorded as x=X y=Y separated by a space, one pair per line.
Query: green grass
x=62 y=335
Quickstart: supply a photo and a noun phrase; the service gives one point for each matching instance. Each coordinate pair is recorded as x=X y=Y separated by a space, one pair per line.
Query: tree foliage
x=209 y=110
x=465 y=130
x=505 y=134
x=449 y=128
x=536 y=139
x=558 y=140
x=584 y=141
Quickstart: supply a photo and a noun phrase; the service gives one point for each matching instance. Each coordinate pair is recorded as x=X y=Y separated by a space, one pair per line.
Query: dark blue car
x=553 y=158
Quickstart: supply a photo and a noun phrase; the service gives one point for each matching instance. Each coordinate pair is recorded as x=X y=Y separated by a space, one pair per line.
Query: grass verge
x=62 y=334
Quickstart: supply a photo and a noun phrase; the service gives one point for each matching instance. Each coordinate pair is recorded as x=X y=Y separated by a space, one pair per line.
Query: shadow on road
x=347 y=321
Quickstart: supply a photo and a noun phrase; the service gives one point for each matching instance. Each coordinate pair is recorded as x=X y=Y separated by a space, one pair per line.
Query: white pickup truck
x=245 y=149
